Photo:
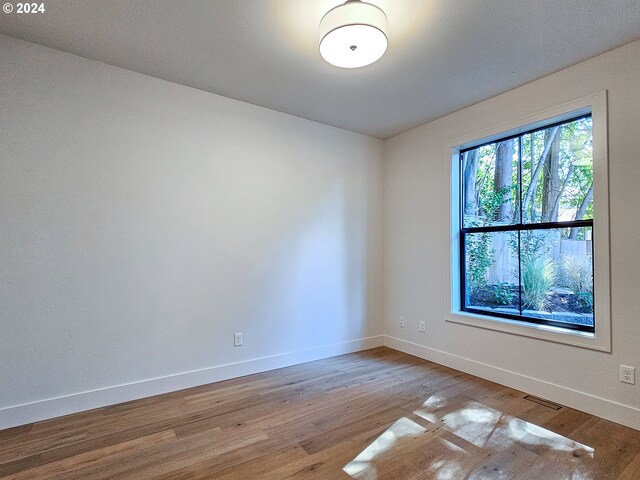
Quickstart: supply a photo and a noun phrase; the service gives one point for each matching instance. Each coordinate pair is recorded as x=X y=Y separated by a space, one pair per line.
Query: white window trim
x=599 y=340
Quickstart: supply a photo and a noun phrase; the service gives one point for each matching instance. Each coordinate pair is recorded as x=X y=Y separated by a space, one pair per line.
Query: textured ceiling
x=443 y=54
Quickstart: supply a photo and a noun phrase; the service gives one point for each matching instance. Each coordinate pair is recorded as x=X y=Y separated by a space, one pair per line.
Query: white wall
x=416 y=225
x=142 y=223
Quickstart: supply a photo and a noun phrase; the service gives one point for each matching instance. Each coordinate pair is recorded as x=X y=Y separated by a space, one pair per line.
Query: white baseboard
x=78 y=402
x=55 y=407
x=601 y=407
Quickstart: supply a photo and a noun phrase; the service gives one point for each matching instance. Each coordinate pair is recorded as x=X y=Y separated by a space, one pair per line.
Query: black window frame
x=517 y=227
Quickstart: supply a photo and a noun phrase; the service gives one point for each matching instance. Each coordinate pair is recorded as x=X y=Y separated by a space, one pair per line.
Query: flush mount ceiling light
x=353 y=34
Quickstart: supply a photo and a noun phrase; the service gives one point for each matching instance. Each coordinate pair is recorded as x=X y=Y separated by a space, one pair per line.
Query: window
x=528 y=250
x=526 y=236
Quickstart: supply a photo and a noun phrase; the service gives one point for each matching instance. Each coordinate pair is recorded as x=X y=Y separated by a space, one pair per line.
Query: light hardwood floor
x=378 y=414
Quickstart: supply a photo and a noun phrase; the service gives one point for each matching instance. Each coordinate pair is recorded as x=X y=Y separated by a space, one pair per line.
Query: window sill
x=532 y=330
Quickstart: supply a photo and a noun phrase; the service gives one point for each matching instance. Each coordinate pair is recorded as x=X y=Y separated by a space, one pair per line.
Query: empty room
x=318 y=239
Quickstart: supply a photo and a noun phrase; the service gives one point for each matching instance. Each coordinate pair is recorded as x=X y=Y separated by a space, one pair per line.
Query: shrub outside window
x=526 y=217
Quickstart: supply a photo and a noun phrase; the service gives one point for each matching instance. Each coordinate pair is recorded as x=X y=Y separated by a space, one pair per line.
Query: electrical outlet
x=423 y=326
x=627 y=374
x=401 y=321
x=237 y=339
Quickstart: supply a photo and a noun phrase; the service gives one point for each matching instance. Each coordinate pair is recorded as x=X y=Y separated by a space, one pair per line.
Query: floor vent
x=543 y=402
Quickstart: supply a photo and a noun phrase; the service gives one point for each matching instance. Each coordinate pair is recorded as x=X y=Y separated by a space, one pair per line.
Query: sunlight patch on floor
x=484 y=438
x=486 y=427
x=362 y=466
x=401 y=428
x=392 y=454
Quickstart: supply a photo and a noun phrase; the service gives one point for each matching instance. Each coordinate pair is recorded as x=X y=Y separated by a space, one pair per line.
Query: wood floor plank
x=568 y=420
x=557 y=465
x=632 y=470
x=327 y=438
x=112 y=453
x=10 y=435
x=615 y=446
x=254 y=461
x=378 y=414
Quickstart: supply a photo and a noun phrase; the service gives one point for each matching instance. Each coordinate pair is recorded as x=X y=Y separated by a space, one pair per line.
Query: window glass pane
x=490 y=186
x=557 y=173
x=557 y=275
x=491 y=267
x=545 y=275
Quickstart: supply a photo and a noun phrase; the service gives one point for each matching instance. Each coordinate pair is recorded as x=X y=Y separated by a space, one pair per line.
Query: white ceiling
x=443 y=54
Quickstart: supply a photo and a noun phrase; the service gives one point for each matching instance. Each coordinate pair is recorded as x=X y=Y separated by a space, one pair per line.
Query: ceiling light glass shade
x=353 y=34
